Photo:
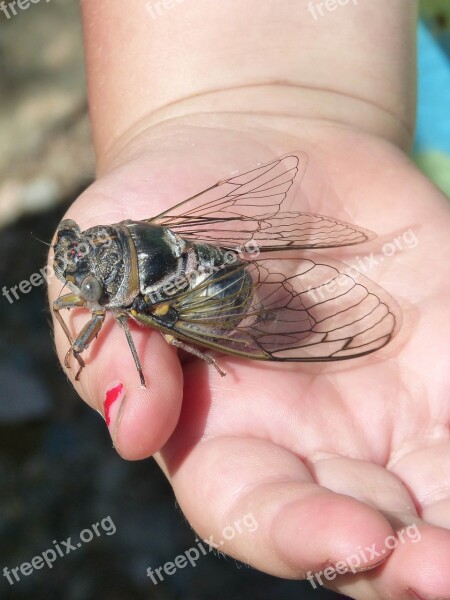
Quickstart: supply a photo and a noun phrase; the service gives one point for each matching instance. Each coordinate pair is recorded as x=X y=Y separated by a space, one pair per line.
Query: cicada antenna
x=39 y=240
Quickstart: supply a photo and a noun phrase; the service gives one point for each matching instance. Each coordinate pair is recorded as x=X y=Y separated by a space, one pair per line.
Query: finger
x=139 y=420
x=414 y=541
x=418 y=567
x=426 y=472
x=368 y=482
x=301 y=528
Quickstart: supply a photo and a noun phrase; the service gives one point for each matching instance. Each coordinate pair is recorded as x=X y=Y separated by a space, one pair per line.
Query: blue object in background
x=432 y=143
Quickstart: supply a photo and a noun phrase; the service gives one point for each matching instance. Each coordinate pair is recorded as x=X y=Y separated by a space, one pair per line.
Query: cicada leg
x=123 y=320
x=85 y=337
x=173 y=341
x=67 y=301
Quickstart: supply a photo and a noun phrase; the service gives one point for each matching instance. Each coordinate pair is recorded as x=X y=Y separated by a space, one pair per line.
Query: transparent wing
x=312 y=309
x=248 y=207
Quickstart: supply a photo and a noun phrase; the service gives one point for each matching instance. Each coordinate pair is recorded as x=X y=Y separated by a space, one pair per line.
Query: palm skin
x=329 y=458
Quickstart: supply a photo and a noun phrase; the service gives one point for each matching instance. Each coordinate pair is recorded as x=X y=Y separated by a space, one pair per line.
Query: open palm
x=296 y=468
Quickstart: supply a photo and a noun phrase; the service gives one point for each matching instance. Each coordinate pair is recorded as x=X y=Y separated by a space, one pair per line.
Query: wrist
x=268 y=112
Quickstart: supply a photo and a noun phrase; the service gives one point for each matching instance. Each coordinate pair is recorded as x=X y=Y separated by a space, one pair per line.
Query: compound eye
x=91 y=289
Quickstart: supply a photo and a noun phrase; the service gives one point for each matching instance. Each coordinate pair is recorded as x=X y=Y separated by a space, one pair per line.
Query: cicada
x=212 y=273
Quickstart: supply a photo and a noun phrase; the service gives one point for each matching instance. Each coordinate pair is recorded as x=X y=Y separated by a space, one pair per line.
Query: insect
x=212 y=273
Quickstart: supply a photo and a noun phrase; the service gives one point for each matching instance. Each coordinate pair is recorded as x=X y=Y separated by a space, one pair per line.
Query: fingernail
x=112 y=405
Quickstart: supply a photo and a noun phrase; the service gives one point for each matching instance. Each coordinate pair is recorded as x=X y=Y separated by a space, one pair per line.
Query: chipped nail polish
x=111 y=404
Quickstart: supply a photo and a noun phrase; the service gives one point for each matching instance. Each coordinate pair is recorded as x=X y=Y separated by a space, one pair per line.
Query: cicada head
x=90 y=262
x=66 y=260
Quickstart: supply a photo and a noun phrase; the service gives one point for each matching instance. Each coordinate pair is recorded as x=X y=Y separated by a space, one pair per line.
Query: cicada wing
x=250 y=206
x=312 y=309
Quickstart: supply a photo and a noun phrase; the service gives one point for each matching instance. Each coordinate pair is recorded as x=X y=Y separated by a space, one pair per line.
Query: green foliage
x=436 y=165
x=437 y=11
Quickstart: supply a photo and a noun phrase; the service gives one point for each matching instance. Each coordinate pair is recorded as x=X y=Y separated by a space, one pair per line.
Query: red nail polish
x=110 y=404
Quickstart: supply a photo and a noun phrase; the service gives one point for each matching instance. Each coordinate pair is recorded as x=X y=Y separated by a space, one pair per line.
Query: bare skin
x=328 y=458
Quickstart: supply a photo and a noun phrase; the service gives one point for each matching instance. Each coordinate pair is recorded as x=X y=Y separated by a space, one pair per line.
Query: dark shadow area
x=59 y=474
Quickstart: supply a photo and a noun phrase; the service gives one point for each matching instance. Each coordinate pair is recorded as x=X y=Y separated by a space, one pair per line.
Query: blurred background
x=58 y=471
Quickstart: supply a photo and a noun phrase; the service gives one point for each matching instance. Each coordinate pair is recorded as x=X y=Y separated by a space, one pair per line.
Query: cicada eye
x=91 y=289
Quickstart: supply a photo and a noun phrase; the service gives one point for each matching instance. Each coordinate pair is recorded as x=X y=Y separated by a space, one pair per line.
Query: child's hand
x=328 y=459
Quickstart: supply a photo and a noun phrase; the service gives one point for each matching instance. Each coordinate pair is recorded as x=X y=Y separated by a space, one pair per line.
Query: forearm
x=150 y=61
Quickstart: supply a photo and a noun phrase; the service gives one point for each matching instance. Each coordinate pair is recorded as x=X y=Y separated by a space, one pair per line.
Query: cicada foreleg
x=85 y=337
x=67 y=301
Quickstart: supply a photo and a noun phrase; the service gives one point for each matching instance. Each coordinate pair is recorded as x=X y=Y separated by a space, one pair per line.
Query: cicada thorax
x=141 y=257
x=159 y=255
x=108 y=261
